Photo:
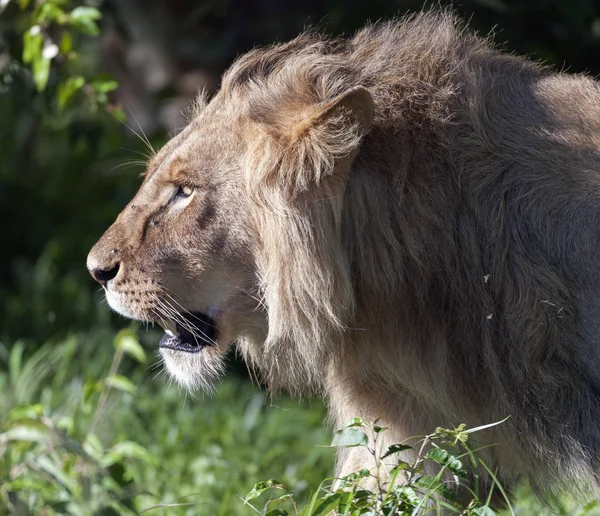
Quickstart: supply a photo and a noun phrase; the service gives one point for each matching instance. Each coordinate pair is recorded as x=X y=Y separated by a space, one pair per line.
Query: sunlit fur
x=409 y=225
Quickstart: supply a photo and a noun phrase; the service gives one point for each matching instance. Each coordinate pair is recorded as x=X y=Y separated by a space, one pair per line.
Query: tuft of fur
x=200 y=372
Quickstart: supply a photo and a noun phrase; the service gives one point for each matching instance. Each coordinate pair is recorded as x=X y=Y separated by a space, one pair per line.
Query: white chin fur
x=194 y=371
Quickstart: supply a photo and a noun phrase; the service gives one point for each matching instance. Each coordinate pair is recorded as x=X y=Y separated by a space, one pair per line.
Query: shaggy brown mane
x=435 y=224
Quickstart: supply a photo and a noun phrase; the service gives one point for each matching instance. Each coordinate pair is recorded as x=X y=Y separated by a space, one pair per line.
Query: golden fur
x=405 y=222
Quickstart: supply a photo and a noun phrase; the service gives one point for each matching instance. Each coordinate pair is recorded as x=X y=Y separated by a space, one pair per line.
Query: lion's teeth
x=169 y=327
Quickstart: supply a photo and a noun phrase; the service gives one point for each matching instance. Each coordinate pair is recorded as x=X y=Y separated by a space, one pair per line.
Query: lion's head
x=234 y=233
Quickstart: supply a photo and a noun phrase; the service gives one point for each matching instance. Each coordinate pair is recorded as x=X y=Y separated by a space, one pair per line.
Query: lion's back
x=494 y=167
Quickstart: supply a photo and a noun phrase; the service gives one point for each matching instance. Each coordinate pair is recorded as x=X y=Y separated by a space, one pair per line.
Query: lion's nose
x=103 y=276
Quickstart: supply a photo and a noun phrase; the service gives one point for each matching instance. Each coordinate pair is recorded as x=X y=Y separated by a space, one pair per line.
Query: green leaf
x=431 y=484
x=260 y=487
x=591 y=505
x=93 y=447
x=395 y=471
x=445 y=458
x=41 y=72
x=127 y=450
x=84 y=19
x=49 y=12
x=104 y=86
x=395 y=448
x=278 y=501
x=15 y=362
x=277 y=512
x=87 y=27
x=355 y=421
x=127 y=342
x=26 y=412
x=68 y=88
x=29 y=433
x=329 y=503
x=481 y=510
x=85 y=13
x=409 y=495
x=352 y=478
x=120 y=383
x=44 y=463
x=89 y=389
x=345 y=502
x=66 y=43
x=349 y=437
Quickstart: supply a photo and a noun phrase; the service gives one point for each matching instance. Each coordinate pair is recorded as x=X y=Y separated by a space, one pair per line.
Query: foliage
x=73 y=444
x=58 y=131
x=444 y=477
x=49 y=29
x=426 y=484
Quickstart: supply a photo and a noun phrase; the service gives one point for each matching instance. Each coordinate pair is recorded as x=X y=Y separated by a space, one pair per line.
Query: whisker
x=166 y=309
x=145 y=138
x=183 y=309
x=147 y=157
x=170 y=313
x=128 y=164
x=189 y=326
x=261 y=303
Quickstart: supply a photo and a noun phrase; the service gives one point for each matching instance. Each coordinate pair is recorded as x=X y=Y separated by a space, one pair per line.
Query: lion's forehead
x=210 y=148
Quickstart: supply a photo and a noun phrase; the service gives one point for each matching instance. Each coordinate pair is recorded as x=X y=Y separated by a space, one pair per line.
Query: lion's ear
x=315 y=144
x=353 y=108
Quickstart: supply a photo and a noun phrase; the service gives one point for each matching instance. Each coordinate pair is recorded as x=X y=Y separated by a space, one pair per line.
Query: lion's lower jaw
x=194 y=371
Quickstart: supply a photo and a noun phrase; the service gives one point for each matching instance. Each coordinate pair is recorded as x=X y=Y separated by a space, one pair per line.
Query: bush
x=73 y=444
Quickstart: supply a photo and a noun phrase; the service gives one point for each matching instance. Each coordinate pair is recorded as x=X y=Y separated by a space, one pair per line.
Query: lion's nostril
x=103 y=276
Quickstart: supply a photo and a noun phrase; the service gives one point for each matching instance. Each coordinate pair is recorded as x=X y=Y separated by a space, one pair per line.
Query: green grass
x=210 y=450
x=88 y=429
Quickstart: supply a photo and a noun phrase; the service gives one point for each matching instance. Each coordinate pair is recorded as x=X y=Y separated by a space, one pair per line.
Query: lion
x=405 y=222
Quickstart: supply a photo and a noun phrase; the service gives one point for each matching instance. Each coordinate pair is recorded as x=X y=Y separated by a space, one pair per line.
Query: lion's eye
x=184 y=191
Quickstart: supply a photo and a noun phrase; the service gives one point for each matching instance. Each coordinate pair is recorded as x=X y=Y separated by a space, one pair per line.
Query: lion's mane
x=440 y=266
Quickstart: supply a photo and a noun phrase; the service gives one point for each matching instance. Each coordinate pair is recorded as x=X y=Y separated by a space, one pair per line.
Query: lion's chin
x=194 y=371
x=190 y=351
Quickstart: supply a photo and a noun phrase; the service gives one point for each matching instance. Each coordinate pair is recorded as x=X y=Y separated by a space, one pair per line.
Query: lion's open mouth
x=189 y=333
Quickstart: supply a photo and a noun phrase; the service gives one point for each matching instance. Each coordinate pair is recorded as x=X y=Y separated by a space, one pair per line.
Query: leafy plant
x=407 y=488
x=86 y=431
x=53 y=460
x=83 y=431
x=49 y=29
